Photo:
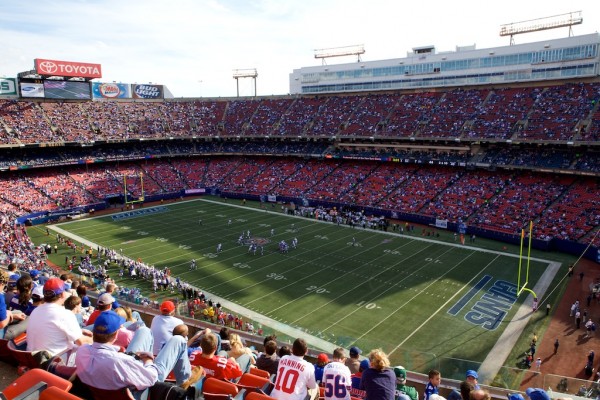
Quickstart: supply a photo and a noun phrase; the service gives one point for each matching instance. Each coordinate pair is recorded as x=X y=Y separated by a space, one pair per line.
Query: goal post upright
x=142 y=196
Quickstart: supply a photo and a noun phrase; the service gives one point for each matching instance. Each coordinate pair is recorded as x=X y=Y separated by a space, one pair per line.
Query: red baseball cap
x=167 y=306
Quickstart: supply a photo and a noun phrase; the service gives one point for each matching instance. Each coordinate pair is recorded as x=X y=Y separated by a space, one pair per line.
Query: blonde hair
x=378 y=359
x=121 y=312
x=237 y=347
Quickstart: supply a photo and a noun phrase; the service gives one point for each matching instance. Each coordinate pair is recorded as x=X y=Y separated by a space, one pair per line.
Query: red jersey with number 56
x=294 y=377
x=217 y=367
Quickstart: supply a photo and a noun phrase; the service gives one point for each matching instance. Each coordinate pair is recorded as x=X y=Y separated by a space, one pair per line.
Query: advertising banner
x=67 y=68
x=8 y=87
x=29 y=89
x=147 y=91
x=111 y=90
x=441 y=223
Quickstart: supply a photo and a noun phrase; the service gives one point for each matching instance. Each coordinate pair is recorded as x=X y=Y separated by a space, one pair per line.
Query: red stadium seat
x=257 y=396
x=213 y=386
x=33 y=377
x=54 y=393
x=260 y=372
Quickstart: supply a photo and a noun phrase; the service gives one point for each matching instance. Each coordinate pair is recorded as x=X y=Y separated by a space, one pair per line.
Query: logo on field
x=48 y=66
x=259 y=241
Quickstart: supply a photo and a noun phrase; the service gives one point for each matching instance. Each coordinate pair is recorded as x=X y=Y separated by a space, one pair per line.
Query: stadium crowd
x=502 y=201
x=531 y=113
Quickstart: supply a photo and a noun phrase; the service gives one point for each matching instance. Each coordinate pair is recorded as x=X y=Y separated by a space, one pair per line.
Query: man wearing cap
x=353 y=362
x=472 y=378
x=162 y=325
x=537 y=394
x=401 y=389
x=100 y=365
x=336 y=377
x=51 y=327
x=104 y=303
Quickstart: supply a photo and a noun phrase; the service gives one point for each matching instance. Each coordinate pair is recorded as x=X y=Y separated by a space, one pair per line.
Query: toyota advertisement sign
x=67 y=68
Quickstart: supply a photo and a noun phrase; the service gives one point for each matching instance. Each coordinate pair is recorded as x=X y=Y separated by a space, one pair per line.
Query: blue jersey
x=429 y=390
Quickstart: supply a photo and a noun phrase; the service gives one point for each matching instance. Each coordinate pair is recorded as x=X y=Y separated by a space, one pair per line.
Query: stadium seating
x=33 y=377
x=55 y=393
x=215 y=389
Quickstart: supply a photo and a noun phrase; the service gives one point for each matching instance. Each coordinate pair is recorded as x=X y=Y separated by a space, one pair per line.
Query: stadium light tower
x=244 y=73
x=542 y=24
x=354 y=50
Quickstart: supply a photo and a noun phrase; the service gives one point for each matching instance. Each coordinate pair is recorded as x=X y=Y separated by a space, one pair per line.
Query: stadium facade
x=425 y=68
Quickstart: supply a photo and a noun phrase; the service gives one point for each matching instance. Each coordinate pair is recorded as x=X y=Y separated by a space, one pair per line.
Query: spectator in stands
x=73 y=304
x=295 y=369
x=337 y=381
x=20 y=302
x=104 y=303
x=435 y=378
x=471 y=377
x=480 y=394
x=404 y=392
x=100 y=364
x=162 y=325
x=268 y=360
x=353 y=362
x=51 y=327
x=537 y=394
x=124 y=335
x=284 y=351
x=213 y=365
x=364 y=365
x=37 y=297
x=322 y=361
x=242 y=354
x=6 y=316
x=82 y=293
x=224 y=334
x=379 y=381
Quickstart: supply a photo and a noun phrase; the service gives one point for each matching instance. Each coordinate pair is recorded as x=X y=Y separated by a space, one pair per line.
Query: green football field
x=409 y=295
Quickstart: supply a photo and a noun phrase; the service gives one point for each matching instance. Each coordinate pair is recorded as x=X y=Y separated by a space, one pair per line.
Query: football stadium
x=439 y=212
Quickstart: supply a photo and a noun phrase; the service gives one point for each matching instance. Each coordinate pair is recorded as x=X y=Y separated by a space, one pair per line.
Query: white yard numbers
x=322 y=237
x=142 y=233
x=276 y=277
x=392 y=252
x=241 y=265
x=184 y=247
x=209 y=255
x=316 y=289
x=162 y=239
x=367 y=305
x=433 y=260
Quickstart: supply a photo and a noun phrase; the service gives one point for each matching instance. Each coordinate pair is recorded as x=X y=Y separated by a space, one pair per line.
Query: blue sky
x=192 y=46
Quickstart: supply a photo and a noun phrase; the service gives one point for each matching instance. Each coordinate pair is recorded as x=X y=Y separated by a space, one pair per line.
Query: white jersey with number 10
x=337 y=381
x=294 y=376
